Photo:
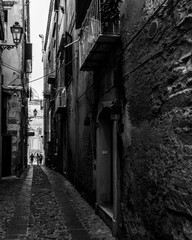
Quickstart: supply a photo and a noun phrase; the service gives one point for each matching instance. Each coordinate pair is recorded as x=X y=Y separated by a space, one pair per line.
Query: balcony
x=61 y=100
x=98 y=36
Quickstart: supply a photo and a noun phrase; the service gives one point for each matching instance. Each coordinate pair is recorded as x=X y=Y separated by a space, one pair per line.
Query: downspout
x=115 y=175
x=57 y=119
x=76 y=108
x=22 y=144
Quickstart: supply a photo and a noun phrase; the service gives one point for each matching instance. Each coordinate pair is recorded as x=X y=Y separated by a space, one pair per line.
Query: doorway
x=6 y=155
x=105 y=162
x=107 y=180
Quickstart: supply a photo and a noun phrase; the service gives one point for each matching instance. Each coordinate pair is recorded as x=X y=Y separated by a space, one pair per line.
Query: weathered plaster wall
x=156 y=166
x=81 y=134
x=12 y=75
x=1 y=8
x=79 y=105
x=86 y=141
x=1 y=16
x=12 y=57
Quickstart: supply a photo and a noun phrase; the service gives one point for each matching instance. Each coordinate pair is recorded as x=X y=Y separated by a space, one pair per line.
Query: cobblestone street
x=42 y=204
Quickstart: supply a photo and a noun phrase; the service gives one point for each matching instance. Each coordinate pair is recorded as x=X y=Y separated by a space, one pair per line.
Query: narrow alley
x=42 y=204
x=96 y=119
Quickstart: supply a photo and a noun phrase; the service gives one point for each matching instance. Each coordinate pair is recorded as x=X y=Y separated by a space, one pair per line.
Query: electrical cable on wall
x=145 y=24
x=11 y=67
x=42 y=77
x=37 y=79
x=34 y=80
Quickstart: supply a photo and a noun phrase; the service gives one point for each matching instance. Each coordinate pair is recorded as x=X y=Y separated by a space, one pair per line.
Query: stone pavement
x=9 y=190
x=44 y=205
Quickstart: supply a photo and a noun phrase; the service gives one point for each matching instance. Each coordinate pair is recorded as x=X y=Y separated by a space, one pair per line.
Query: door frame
x=102 y=154
x=6 y=155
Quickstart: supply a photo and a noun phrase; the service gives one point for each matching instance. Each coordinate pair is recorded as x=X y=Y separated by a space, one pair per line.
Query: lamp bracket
x=6 y=46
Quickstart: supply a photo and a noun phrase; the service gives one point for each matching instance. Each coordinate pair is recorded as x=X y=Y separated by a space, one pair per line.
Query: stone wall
x=156 y=161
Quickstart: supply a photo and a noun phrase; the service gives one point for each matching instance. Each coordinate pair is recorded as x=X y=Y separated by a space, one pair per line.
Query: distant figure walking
x=31 y=158
x=37 y=157
x=40 y=158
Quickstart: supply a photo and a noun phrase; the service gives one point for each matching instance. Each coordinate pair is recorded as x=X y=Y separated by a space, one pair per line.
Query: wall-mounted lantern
x=17 y=32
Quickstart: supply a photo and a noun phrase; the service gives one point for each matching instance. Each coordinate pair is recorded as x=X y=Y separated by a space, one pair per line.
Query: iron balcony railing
x=94 y=26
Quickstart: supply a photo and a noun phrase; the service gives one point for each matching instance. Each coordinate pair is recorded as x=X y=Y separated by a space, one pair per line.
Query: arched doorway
x=107 y=191
x=104 y=161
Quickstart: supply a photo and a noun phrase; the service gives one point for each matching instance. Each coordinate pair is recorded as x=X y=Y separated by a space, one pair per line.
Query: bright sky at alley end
x=38 y=14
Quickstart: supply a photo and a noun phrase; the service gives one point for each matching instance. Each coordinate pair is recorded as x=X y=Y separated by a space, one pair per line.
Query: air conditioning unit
x=61 y=100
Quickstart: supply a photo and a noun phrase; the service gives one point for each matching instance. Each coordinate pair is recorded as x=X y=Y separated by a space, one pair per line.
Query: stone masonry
x=44 y=205
x=156 y=162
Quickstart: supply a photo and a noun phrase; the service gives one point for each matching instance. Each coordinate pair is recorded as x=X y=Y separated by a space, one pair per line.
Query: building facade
x=1 y=38
x=16 y=68
x=118 y=110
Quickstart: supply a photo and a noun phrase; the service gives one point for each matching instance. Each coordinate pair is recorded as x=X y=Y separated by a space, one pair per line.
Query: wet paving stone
x=19 y=222
x=45 y=219
x=94 y=226
x=10 y=188
x=43 y=205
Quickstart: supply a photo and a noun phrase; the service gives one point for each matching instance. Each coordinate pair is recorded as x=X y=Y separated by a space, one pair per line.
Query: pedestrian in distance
x=31 y=158
x=40 y=158
x=37 y=157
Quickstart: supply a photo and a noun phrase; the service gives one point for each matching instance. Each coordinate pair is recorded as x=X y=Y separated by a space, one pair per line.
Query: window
x=5 y=16
x=5 y=25
x=81 y=10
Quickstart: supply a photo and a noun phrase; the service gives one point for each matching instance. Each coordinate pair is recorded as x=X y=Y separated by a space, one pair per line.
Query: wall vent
x=153 y=29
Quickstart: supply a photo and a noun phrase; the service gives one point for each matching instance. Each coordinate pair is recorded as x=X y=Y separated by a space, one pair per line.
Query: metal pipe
x=72 y=43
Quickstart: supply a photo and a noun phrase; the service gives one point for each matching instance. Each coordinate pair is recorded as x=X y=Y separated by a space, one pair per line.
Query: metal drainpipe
x=76 y=111
x=58 y=125
x=22 y=92
x=115 y=176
